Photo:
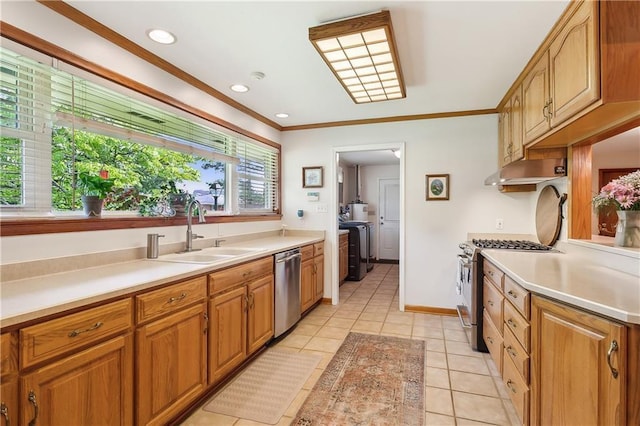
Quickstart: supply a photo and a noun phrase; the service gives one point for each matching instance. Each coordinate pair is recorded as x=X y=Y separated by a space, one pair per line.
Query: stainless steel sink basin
x=201 y=258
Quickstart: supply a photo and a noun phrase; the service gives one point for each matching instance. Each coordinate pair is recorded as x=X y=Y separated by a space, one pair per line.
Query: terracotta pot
x=628 y=228
x=92 y=205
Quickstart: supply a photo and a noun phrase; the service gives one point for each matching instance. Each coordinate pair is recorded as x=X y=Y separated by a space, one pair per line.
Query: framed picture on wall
x=437 y=187
x=312 y=177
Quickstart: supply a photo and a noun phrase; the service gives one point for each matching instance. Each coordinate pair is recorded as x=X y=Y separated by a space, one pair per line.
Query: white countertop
x=32 y=298
x=573 y=280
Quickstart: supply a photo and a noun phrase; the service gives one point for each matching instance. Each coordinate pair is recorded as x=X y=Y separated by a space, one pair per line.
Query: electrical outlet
x=322 y=208
x=499 y=223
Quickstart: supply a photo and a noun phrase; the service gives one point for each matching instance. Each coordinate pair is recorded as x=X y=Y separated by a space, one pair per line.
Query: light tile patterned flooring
x=462 y=387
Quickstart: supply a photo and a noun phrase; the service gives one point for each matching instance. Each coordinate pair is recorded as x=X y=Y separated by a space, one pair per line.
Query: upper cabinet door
x=504 y=130
x=535 y=96
x=516 y=152
x=574 y=64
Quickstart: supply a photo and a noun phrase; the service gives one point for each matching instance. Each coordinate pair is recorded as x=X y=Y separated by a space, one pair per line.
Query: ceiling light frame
x=362 y=54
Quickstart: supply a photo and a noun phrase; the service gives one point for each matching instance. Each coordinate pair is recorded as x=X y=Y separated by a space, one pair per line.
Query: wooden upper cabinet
x=504 y=135
x=516 y=152
x=574 y=65
x=535 y=98
x=579 y=367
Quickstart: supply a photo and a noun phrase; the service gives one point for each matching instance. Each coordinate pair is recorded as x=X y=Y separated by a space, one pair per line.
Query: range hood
x=525 y=172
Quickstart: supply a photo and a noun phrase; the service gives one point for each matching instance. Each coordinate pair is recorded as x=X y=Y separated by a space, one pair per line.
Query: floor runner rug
x=372 y=380
x=263 y=391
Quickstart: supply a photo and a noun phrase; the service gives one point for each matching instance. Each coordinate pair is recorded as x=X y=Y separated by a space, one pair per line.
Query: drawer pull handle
x=511 y=386
x=490 y=302
x=95 y=326
x=613 y=348
x=177 y=299
x=512 y=323
x=512 y=294
x=4 y=412
x=32 y=400
x=511 y=351
x=490 y=339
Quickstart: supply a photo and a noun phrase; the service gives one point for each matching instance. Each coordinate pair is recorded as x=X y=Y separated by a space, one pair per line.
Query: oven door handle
x=464 y=324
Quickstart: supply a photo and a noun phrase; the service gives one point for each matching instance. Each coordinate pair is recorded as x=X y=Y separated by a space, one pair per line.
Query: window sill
x=32 y=226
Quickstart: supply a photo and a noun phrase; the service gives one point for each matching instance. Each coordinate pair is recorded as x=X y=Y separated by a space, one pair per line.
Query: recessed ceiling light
x=161 y=36
x=240 y=88
x=282 y=115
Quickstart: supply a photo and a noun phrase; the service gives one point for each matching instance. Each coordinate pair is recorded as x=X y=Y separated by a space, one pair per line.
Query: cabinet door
x=574 y=66
x=535 y=96
x=572 y=379
x=261 y=315
x=504 y=132
x=91 y=387
x=227 y=332
x=307 y=291
x=172 y=364
x=344 y=257
x=9 y=401
x=318 y=284
x=516 y=152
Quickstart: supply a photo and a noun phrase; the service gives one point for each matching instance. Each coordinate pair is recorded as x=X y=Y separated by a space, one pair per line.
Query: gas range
x=510 y=245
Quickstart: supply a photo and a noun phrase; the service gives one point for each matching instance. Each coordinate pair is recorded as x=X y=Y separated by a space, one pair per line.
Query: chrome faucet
x=190 y=235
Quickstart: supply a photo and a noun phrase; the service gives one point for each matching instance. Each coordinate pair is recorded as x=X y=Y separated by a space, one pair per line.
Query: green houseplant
x=94 y=189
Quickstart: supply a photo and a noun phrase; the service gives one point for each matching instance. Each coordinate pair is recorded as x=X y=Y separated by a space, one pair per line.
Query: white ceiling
x=455 y=55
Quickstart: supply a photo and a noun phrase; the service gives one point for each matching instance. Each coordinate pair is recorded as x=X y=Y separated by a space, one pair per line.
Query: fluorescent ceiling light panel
x=362 y=54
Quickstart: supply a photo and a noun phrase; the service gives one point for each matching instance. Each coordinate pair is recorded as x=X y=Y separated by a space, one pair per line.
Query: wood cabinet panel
x=260 y=321
x=518 y=325
x=517 y=136
x=9 y=400
x=495 y=275
x=94 y=386
x=519 y=356
x=307 y=252
x=493 y=339
x=343 y=257
x=170 y=299
x=493 y=301
x=518 y=297
x=572 y=377
x=517 y=389
x=307 y=290
x=172 y=364
x=220 y=281
x=318 y=248
x=318 y=269
x=227 y=332
x=62 y=335
x=535 y=95
x=8 y=353
x=574 y=65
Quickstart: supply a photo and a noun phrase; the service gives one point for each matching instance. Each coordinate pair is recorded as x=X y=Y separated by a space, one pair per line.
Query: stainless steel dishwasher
x=287 y=303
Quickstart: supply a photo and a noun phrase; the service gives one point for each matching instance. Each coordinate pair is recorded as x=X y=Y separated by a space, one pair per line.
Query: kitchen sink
x=194 y=258
x=232 y=251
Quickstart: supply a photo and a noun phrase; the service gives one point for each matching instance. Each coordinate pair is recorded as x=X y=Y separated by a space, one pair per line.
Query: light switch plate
x=322 y=208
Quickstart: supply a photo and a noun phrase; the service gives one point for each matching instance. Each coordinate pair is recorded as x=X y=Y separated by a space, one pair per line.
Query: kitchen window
x=55 y=124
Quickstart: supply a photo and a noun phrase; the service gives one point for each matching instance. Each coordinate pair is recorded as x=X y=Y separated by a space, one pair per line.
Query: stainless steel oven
x=469 y=287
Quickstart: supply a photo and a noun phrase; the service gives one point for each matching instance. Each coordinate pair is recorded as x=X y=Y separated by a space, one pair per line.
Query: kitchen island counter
x=574 y=280
x=36 y=297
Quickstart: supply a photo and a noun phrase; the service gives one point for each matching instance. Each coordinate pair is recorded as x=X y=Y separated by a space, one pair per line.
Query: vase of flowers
x=624 y=194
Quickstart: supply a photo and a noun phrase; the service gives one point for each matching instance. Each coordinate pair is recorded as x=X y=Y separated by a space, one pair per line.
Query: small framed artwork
x=437 y=187
x=312 y=177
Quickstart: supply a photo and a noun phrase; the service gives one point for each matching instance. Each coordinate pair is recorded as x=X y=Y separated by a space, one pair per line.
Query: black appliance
x=360 y=249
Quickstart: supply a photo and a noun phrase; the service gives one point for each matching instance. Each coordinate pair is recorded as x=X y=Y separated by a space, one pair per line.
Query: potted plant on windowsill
x=177 y=198
x=94 y=189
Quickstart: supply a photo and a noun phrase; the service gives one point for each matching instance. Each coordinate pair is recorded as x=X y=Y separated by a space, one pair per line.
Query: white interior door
x=389 y=219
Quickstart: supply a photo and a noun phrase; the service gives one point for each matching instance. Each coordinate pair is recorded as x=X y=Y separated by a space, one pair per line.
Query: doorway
x=367 y=151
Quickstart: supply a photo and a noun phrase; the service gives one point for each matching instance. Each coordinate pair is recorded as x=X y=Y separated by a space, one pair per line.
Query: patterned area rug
x=372 y=380
x=266 y=388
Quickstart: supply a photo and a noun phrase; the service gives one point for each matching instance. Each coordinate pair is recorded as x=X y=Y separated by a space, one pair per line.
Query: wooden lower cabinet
x=172 y=364
x=9 y=401
x=343 y=256
x=318 y=282
x=227 y=332
x=260 y=315
x=574 y=359
x=91 y=387
x=312 y=275
x=307 y=288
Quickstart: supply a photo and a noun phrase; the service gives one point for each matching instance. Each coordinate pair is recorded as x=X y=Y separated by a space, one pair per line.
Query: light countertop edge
x=37 y=297
x=562 y=277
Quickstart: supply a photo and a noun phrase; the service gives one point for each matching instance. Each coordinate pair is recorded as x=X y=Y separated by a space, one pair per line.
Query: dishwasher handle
x=288 y=258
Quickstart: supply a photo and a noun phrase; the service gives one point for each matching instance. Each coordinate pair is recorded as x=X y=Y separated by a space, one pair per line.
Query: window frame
x=25 y=225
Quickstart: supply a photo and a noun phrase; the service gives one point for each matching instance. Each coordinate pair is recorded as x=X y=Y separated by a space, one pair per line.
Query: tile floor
x=462 y=387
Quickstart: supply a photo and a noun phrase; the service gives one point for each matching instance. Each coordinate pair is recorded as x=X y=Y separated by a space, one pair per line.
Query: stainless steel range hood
x=524 y=172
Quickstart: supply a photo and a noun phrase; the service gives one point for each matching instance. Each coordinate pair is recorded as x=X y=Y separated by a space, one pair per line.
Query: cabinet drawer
x=318 y=248
x=8 y=354
x=516 y=388
x=518 y=296
x=48 y=339
x=492 y=302
x=493 y=339
x=494 y=274
x=514 y=350
x=307 y=252
x=518 y=325
x=219 y=281
x=344 y=239
x=168 y=299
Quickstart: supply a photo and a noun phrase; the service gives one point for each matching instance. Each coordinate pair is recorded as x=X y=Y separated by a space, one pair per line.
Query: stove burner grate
x=510 y=245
